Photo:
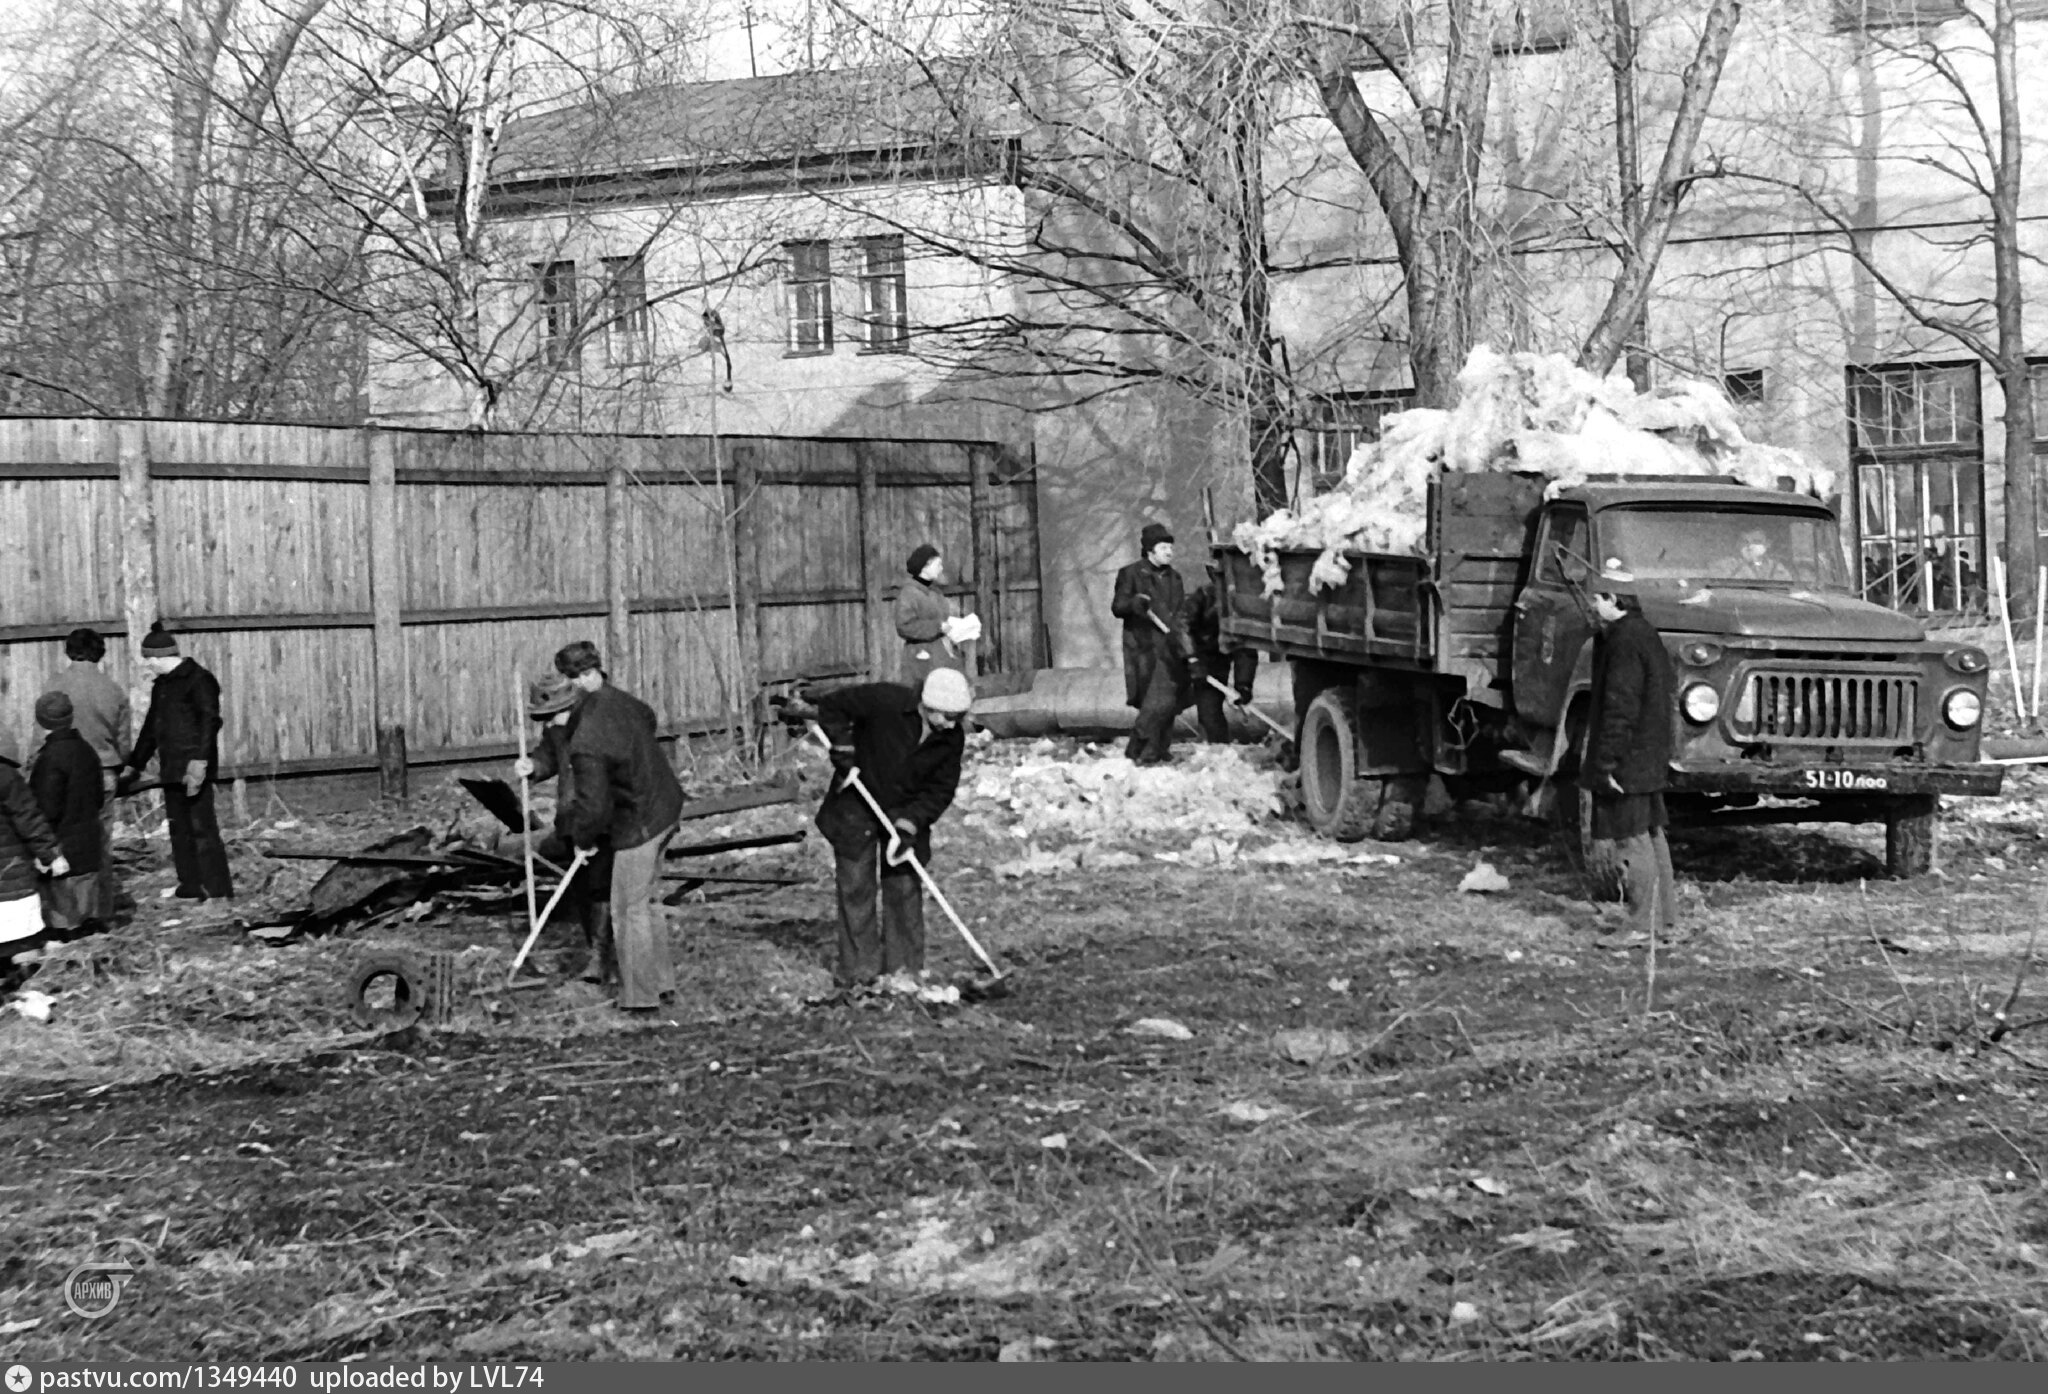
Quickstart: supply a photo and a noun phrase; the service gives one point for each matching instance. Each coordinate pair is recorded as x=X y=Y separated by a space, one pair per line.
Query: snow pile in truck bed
x=1527 y=412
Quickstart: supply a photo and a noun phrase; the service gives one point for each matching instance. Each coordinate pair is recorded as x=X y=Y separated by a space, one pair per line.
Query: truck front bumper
x=1818 y=781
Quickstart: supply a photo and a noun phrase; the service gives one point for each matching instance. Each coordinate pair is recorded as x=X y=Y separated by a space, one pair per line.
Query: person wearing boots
x=65 y=778
x=623 y=797
x=28 y=849
x=907 y=745
x=1155 y=659
x=100 y=714
x=550 y=701
x=1628 y=758
x=182 y=731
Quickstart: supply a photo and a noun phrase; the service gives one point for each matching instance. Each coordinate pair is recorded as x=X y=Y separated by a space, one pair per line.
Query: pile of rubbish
x=1536 y=413
x=1091 y=793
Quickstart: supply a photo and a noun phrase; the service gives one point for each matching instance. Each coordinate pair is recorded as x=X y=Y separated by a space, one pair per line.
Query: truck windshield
x=1794 y=550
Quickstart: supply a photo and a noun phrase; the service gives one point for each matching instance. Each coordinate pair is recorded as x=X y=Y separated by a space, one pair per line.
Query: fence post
x=982 y=517
x=746 y=570
x=874 y=566
x=140 y=602
x=617 y=565
x=392 y=691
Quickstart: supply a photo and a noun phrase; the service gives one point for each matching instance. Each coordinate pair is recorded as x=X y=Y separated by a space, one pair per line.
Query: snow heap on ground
x=1092 y=794
x=1518 y=412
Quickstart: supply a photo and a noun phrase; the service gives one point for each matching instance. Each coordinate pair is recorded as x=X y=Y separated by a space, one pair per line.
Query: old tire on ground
x=1339 y=804
x=400 y=976
x=1909 y=836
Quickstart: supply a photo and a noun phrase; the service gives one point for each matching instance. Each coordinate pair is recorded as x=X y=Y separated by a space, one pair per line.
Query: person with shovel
x=1237 y=670
x=907 y=745
x=1149 y=599
x=551 y=701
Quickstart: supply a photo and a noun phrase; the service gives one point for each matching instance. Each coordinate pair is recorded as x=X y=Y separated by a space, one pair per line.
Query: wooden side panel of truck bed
x=1376 y=614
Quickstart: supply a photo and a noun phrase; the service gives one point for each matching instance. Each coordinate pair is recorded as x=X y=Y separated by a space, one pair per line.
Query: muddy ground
x=1406 y=1122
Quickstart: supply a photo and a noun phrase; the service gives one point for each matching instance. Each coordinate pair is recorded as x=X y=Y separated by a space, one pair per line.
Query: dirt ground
x=1405 y=1122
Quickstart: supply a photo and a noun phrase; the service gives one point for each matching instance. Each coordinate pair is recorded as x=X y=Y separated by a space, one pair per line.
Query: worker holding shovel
x=551 y=701
x=907 y=745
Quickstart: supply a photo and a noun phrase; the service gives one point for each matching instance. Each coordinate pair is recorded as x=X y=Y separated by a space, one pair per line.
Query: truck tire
x=1339 y=804
x=1909 y=836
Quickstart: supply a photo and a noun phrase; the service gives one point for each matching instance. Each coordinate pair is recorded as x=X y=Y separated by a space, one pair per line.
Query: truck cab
x=1790 y=685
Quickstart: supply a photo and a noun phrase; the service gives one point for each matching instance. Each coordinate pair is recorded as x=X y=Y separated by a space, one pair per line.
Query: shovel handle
x=540 y=922
x=1281 y=731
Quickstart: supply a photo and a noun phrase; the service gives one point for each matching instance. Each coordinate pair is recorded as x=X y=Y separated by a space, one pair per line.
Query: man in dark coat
x=28 y=849
x=1237 y=669
x=100 y=715
x=551 y=701
x=623 y=798
x=1628 y=756
x=65 y=777
x=1155 y=660
x=907 y=746
x=182 y=730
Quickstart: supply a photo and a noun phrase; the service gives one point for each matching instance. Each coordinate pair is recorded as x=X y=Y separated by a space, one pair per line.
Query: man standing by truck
x=1149 y=599
x=1628 y=757
x=1237 y=668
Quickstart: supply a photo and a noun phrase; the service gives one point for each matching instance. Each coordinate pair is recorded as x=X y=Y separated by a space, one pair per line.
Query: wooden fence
x=360 y=591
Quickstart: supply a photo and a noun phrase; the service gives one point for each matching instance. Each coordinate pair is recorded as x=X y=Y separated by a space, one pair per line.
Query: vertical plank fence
x=361 y=593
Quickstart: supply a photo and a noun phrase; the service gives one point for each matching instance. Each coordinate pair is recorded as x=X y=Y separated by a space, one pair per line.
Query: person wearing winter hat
x=65 y=778
x=181 y=730
x=907 y=745
x=551 y=700
x=1628 y=752
x=1156 y=677
x=101 y=715
x=927 y=620
x=28 y=849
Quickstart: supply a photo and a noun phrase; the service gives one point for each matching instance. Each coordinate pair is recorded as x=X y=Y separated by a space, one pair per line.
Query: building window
x=628 y=326
x=1916 y=438
x=884 y=318
x=1343 y=423
x=1873 y=16
x=1744 y=387
x=557 y=309
x=810 y=297
x=2037 y=375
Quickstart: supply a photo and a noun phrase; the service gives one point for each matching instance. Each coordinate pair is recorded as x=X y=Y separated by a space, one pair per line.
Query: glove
x=125 y=781
x=1244 y=694
x=195 y=775
x=57 y=866
x=1144 y=603
x=902 y=833
x=1608 y=784
x=842 y=758
x=523 y=767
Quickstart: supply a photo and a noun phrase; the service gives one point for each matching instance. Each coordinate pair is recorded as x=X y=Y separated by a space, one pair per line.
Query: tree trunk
x=2015 y=375
x=199 y=33
x=1629 y=169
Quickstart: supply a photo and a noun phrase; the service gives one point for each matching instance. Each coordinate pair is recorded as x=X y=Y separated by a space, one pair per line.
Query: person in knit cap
x=28 y=849
x=1156 y=677
x=100 y=715
x=934 y=632
x=65 y=779
x=181 y=731
x=551 y=701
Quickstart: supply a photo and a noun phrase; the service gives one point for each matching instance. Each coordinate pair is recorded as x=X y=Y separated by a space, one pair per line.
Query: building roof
x=789 y=117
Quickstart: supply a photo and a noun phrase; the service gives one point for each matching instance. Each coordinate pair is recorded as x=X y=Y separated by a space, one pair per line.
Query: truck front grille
x=1828 y=708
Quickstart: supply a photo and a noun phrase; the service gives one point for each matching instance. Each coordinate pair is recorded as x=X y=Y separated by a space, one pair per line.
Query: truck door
x=1550 y=626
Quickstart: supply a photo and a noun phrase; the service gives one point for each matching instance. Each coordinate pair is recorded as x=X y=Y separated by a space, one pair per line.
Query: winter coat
x=622 y=791
x=911 y=775
x=1145 y=648
x=65 y=778
x=921 y=612
x=1634 y=706
x=182 y=724
x=25 y=836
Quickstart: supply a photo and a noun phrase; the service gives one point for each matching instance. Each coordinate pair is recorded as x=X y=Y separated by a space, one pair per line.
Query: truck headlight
x=1966 y=660
x=1701 y=703
x=1962 y=708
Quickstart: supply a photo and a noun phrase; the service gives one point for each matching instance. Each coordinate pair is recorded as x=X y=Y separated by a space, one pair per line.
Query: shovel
x=997 y=984
x=541 y=920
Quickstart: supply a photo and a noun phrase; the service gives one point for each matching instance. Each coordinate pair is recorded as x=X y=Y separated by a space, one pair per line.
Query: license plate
x=1845 y=781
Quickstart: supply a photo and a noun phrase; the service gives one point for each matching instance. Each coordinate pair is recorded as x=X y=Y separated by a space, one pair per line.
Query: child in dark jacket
x=68 y=788
x=28 y=849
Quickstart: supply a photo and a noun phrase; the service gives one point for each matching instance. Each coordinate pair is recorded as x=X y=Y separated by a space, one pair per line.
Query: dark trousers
x=1209 y=711
x=1164 y=697
x=864 y=953
x=197 y=852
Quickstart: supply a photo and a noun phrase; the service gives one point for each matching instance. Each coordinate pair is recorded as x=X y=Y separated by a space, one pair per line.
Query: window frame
x=1900 y=566
x=885 y=328
x=629 y=320
x=801 y=278
x=556 y=296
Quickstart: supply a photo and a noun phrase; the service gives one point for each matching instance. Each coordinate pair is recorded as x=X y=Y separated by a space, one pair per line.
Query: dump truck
x=1796 y=700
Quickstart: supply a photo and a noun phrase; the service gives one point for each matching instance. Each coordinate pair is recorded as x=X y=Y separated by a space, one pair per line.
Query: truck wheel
x=1339 y=804
x=1909 y=836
